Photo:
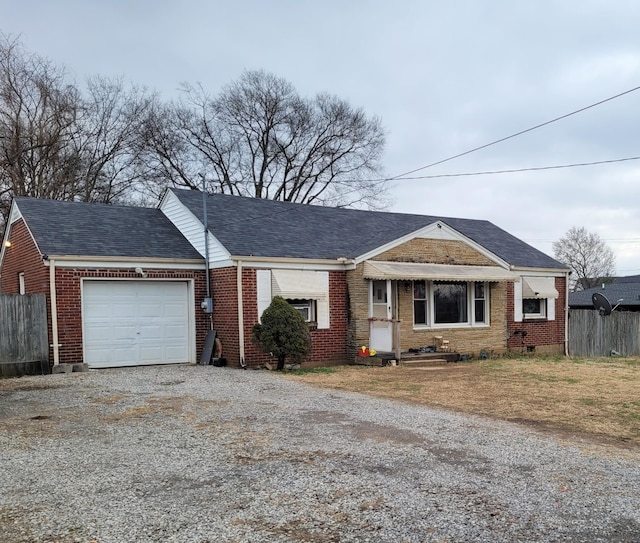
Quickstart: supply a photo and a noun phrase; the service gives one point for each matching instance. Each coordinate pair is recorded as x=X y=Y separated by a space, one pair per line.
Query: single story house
x=128 y=286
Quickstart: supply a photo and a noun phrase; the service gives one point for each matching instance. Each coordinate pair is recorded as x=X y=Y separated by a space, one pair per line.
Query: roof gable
x=65 y=228
x=267 y=228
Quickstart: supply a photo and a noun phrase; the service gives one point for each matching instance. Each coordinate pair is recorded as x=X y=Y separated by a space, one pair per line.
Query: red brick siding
x=23 y=256
x=69 y=303
x=543 y=334
x=225 y=312
x=328 y=346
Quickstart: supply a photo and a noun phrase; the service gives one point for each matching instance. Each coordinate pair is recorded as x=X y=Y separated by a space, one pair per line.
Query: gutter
x=563 y=271
x=76 y=258
x=566 y=314
x=340 y=263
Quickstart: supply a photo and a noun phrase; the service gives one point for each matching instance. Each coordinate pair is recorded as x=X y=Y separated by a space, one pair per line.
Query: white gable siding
x=191 y=228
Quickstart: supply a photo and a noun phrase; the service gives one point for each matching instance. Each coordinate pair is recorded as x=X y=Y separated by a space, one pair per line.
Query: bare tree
x=590 y=259
x=57 y=142
x=37 y=110
x=260 y=138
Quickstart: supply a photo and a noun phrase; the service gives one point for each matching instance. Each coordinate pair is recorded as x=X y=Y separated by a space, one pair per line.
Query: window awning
x=539 y=287
x=299 y=284
x=410 y=271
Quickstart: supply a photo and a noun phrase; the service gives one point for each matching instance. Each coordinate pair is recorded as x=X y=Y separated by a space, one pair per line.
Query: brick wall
x=542 y=336
x=69 y=303
x=494 y=338
x=23 y=256
x=328 y=346
x=435 y=252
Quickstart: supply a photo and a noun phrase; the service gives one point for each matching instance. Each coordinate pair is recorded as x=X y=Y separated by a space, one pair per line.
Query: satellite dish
x=601 y=303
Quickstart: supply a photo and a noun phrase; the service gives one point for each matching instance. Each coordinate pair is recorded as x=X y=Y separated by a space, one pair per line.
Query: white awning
x=410 y=271
x=299 y=284
x=539 y=287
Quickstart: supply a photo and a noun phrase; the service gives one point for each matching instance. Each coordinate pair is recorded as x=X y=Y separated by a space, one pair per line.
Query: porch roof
x=408 y=271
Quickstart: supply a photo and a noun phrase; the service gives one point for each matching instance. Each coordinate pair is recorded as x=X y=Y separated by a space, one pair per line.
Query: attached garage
x=136 y=322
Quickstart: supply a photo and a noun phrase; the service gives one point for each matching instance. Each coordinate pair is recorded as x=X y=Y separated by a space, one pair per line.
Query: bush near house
x=283 y=332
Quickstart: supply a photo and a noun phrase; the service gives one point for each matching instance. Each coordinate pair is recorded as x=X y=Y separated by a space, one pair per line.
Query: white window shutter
x=322 y=309
x=517 y=301
x=263 y=288
x=322 y=304
x=551 y=309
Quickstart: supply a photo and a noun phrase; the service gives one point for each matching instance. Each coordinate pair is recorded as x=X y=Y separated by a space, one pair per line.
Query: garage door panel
x=129 y=323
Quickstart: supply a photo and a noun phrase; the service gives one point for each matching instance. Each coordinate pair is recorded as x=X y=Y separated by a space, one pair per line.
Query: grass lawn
x=578 y=397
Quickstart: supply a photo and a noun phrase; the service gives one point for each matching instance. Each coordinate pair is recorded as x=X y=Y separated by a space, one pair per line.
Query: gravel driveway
x=197 y=453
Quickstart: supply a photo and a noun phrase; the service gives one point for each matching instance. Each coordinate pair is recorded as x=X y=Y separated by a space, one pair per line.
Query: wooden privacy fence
x=592 y=334
x=24 y=346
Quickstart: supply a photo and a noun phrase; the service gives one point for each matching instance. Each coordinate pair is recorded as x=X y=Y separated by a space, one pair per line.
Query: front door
x=380 y=312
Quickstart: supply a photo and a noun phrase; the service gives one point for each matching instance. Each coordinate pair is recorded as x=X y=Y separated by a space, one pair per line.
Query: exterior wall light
x=7 y=244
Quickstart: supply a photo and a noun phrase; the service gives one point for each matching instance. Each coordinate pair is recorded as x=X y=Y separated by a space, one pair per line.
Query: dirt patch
x=595 y=399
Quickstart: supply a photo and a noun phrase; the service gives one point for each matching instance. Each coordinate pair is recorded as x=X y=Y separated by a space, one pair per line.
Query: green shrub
x=283 y=332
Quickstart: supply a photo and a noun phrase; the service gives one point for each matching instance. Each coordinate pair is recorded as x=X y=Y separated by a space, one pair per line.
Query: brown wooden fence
x=592 y=334
x=24 y=348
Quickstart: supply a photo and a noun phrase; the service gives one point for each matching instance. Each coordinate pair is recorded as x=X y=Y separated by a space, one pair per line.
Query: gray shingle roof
x=255 y=227
x=629 y=292
x=83 y=229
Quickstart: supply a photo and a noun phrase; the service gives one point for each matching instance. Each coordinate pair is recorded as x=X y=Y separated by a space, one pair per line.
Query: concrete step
x=423 y=362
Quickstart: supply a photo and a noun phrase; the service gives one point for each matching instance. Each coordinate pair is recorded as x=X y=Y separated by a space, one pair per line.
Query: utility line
x=516 y=134
x=516 y=170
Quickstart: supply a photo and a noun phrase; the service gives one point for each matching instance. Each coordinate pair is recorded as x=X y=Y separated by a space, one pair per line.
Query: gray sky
x=444 y=76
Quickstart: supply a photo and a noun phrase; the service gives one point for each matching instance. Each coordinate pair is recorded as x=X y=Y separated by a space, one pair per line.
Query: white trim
x=14 y=216
x=191 y=340
x=22 y=289
x=294 y=263
x=191 y=227
x=545 y=272
x=517 y=301
x=123 y=264
x=263 y=291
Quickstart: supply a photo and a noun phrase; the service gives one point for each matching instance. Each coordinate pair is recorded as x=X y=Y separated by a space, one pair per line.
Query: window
x=419 y=302
x=306 y=308
x=480 y=304
x=450 y=303
x=534 y=308
x=21 y=284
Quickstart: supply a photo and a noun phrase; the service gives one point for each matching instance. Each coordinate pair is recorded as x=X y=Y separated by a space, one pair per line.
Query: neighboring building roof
x=100 y=230
x=267 y=228
x=628 y=292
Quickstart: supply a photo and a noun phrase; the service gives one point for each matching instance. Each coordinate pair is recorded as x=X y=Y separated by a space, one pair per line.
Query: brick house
x=125 y=285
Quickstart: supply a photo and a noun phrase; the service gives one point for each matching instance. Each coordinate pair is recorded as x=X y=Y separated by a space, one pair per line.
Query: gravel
x=197 y=454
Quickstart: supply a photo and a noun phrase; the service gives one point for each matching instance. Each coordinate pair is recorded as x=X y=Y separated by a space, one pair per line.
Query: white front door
x=381 y=325
x=131 y=323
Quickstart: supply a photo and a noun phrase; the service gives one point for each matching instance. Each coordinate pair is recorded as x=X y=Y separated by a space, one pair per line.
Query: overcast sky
x=444 y=76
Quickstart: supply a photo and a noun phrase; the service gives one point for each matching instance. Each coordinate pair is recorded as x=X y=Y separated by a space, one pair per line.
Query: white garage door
x=130 y=323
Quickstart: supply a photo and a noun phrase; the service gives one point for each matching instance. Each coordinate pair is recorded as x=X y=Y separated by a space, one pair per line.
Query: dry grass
x=599 y=398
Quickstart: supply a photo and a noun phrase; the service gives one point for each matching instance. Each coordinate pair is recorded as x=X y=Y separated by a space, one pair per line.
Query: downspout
x=240 y=314
x=54 y=312
x=566 y=313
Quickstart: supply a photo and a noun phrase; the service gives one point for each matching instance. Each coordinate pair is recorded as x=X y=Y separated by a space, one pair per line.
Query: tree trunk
x=281 y=362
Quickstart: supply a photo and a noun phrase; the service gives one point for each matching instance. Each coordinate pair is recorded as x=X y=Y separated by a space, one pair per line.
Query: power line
x=516 y=134
x=516 y=170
